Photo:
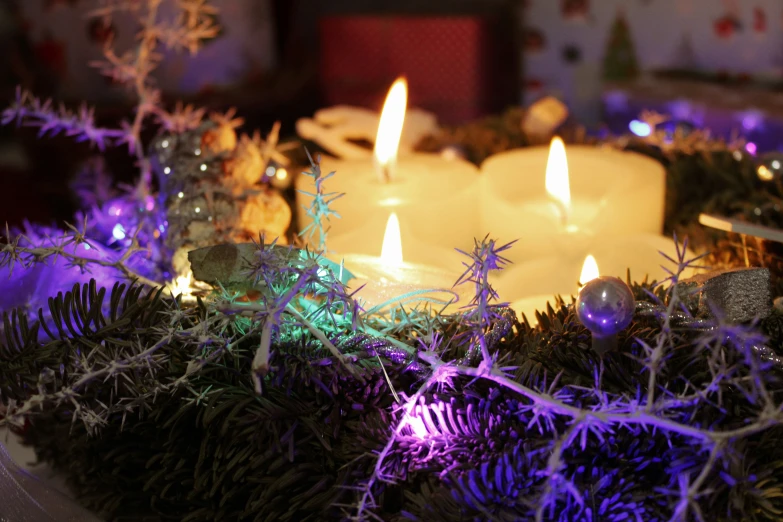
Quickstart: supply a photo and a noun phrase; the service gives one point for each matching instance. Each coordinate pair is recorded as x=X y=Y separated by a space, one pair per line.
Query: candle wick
x=565 y=217
x=385 y=173
x=385 y=170
x=562 y=209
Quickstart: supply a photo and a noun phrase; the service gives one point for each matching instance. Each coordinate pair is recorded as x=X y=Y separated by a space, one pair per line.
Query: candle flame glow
x=589 y=270
x=391 y=251
x=557 y=182
x=387 y=141
x=182 y=285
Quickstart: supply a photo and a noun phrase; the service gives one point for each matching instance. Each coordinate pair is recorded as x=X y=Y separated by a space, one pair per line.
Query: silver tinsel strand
x=682 y=319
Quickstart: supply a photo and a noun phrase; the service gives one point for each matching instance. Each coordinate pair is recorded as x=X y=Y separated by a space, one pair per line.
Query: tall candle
x=436 y=199
x=609 y=193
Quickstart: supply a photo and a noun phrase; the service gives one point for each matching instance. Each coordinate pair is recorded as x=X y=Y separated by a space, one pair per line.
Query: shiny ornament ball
x=605 y=306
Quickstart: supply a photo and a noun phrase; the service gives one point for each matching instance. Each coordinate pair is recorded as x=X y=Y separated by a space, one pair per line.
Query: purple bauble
x=605 y=306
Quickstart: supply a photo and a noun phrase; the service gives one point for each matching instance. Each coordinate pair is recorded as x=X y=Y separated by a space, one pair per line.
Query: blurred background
x=713 y=63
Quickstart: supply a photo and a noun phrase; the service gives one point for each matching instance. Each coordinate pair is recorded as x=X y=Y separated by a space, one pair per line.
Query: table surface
x=25 y=458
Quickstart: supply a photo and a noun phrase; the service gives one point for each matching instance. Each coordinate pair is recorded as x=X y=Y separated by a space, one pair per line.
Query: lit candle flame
x=589 y=270
x=391 y=251
x=557 y=183
x=387 y=141
x=182 y=285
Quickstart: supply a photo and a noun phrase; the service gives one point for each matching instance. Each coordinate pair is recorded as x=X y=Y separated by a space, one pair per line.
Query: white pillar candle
x=382 y=283
x=612 y=193
x=437 y=200
x=365 y=240
x=529 y=305
x=531 y=284
x=389 y=279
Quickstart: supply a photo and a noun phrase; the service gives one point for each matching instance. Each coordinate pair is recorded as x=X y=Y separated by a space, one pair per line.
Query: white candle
x=528 y=306
x=609 y=193
x=382 y=283
x=437 y=200
x=333 y=127
x=535 y=282
x=365 y=240
x=388 y=278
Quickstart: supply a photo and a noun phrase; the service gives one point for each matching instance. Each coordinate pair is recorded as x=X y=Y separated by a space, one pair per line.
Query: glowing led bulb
x=118 y=232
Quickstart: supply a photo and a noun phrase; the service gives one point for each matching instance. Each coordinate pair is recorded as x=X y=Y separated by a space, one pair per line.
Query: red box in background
x=454 y=64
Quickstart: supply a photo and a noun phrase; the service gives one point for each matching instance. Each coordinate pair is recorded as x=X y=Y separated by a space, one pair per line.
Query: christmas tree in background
x=620 y=58
x=684 y=55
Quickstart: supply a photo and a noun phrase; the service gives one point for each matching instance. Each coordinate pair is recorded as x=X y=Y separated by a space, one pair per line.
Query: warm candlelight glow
x=391 y=251
x=557 y=184
x=589 y=270
x=764 y=173
x=387 y=141
x=182 y=285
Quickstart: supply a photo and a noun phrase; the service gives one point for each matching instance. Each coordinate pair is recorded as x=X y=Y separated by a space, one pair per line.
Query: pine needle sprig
x=81 y=315
x=30 y=111
x=194 y=23
x=485 y=258
x=22 y=251
x=297 y=292
x=319 y=210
